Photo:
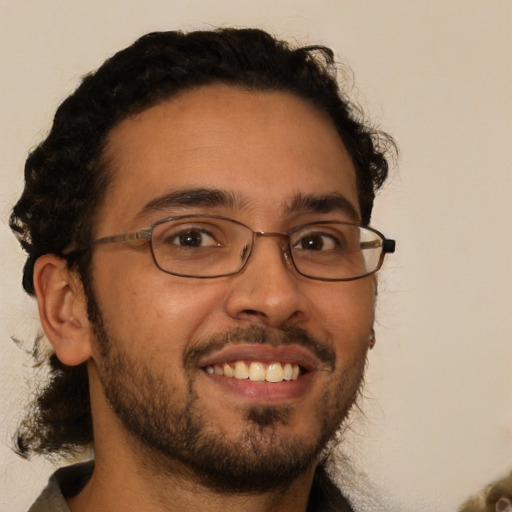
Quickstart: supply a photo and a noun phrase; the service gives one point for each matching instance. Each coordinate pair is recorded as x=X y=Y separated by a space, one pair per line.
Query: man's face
x=267 y=160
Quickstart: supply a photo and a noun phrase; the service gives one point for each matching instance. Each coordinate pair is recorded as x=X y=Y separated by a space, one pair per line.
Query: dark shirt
x=64 y=483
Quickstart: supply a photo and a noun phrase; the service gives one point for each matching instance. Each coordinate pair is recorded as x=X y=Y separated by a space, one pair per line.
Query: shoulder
x=65 y=482
x=51 y=499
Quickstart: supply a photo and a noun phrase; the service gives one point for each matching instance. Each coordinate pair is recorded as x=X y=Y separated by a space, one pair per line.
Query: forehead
x=262 y=148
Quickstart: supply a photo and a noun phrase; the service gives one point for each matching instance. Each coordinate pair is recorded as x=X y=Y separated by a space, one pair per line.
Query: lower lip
x=263 y=392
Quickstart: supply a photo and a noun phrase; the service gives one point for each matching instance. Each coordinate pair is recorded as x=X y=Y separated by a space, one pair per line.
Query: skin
x=264 y=149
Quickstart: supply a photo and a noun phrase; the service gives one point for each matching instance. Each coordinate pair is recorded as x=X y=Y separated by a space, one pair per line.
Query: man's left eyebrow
x=190 y=197
x=324 y=203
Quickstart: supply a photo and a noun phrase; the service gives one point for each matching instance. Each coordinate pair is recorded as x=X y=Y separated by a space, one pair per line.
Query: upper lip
x=293 y=354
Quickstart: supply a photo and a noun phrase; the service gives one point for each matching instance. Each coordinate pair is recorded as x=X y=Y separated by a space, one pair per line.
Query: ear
x=62 y=309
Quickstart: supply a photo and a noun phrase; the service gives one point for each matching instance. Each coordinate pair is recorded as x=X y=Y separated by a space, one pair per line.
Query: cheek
x=152 y=309
x=347 y=316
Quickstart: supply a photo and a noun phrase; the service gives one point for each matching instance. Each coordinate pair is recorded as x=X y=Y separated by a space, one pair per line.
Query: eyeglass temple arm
x=388 y=245
x=142 y=234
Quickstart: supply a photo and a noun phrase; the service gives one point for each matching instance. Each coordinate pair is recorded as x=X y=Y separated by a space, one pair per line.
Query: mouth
x=263 y=373
x=262 y=367
x=257 y=371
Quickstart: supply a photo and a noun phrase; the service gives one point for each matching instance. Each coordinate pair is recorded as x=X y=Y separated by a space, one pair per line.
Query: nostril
x=251 y=312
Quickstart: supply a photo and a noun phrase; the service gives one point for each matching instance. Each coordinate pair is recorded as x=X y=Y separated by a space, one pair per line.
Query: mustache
x=257 y=335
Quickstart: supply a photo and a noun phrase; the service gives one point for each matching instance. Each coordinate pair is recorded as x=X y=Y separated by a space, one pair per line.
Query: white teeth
x=241 y=371
x=256 y=371
x=275 y=372
x=228 y=371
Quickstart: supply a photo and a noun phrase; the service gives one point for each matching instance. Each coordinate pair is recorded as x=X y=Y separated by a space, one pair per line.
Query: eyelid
x=327 y=228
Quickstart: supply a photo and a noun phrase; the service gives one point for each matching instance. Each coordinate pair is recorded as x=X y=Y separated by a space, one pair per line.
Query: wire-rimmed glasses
x=208 y=246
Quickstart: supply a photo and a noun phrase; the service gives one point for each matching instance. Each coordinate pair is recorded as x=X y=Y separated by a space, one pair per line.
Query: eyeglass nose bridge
x=284 y=246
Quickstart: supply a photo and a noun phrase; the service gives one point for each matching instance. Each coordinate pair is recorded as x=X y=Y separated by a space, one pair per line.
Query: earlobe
x=62 y=309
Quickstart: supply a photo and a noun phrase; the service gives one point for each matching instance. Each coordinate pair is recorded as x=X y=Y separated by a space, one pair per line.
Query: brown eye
x=192 y=238
x=317 y=242
x=189 y=239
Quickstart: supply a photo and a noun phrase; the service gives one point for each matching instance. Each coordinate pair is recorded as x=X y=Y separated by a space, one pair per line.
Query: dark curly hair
x=66 y=176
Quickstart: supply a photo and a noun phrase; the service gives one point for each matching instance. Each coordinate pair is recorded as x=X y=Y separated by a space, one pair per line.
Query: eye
x=193 y=238
x=317 y=242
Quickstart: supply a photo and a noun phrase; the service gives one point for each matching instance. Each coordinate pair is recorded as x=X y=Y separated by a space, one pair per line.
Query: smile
x=256 y=371
x=262 y=374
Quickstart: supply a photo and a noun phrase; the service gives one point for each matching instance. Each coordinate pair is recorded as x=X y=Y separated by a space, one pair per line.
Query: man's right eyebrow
x=190 y=197
x=324 y=203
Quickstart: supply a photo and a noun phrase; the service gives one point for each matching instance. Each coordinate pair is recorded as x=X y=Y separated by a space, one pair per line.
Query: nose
x=268 y=291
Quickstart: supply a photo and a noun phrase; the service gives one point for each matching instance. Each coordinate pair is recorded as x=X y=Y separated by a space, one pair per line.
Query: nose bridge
x=282 y=236
x=267 y=290
x=271 y=260
x=283 y=239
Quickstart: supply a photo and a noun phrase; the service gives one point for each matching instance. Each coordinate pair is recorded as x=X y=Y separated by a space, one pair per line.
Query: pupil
x=312 y=243
x=190 y=239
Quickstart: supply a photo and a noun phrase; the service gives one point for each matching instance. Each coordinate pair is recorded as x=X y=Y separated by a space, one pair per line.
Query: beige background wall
x=437 y=74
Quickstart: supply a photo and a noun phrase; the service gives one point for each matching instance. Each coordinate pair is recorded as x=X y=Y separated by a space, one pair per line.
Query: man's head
x=67 y=175
x=230 y=124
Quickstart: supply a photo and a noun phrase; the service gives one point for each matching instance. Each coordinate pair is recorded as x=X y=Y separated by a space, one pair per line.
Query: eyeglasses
x=208 y=246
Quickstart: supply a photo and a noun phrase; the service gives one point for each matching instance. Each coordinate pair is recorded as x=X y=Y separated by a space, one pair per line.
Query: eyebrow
x=209 y=197
x=323 y=203
x=212 y=197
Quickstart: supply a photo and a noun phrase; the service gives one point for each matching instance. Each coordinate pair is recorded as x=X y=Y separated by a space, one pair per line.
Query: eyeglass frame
x=388 y=245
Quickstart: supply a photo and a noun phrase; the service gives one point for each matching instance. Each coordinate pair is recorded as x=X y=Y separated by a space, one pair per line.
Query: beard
x=176 y=436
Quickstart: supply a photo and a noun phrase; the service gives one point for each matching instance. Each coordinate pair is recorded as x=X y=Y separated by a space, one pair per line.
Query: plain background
x=437 y=74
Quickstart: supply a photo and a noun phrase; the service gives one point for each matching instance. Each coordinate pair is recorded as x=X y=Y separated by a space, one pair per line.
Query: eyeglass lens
x=211 y=246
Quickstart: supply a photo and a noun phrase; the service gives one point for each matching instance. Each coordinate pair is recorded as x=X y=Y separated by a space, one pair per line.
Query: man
x=197 y=230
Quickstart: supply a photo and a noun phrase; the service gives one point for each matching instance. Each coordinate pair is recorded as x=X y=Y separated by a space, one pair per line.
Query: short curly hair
x=66 y=176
